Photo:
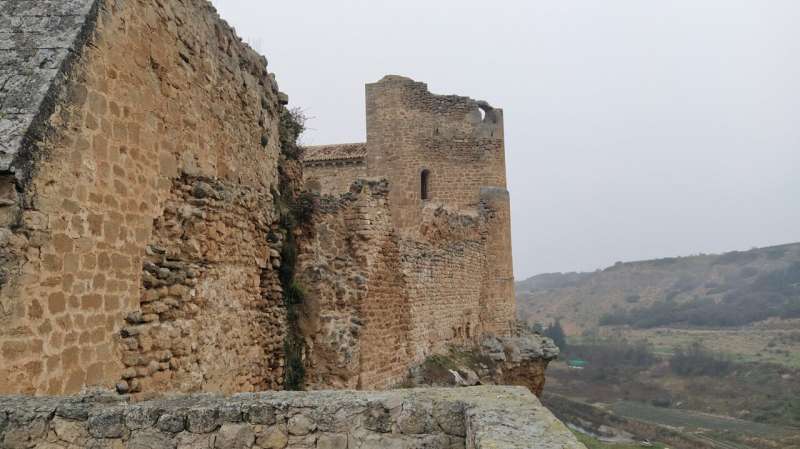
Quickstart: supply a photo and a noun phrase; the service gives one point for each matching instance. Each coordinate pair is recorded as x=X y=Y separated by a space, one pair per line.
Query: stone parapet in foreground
x=471 y=418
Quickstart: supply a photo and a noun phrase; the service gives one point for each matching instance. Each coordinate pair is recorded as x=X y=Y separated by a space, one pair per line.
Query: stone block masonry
x=465 y=418
x=377 y=303
x=144 y=168
x=356 y=319
x=211 y=314
x=412 y=251
x=111 y=110
x=153 y=238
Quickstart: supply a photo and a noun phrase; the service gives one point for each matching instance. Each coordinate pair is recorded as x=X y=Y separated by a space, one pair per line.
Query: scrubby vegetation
x=727 y=290
x=772 y=294
x=693 y=377
x=292 y=124
x=295 y=209
x=697 y=360
x=556 y=333
x=614 y=353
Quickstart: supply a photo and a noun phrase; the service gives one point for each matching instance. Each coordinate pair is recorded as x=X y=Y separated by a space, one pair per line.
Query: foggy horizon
x=634 y=130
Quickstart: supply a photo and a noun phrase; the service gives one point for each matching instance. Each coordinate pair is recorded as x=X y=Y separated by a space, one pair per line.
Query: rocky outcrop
x=522 y=359
x=468 y=418
x=517 y=360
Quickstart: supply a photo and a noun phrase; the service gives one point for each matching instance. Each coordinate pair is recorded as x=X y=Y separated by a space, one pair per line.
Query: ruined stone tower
x=441 y=217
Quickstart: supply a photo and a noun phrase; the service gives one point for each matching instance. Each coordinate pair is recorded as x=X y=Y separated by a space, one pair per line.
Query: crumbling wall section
x=355 y=315
x=375 y=303
x=211 y=314
x=153 y=91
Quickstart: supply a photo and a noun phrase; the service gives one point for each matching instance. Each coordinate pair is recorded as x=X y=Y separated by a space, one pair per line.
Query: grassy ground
x=759 y=343
x=593 y=443
x=688 y=419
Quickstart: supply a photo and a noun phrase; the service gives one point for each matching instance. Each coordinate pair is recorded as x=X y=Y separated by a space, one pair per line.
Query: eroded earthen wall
x=160 y=90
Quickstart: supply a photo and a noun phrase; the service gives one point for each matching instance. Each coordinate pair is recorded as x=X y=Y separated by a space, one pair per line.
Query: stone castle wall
x=443 y=272
x=446 y=259
x=454 y=418
x=356 y=317
x=333 y=178
x=150 y=217
x=212 y=316
x=377 y=303
x=147 y=92
x=142 y=233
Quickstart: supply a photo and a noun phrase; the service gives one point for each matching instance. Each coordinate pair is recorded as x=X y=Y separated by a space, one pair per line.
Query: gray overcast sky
x=635 y=129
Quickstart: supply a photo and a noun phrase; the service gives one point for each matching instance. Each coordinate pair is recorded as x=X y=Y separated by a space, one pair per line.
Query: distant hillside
x=730 y=289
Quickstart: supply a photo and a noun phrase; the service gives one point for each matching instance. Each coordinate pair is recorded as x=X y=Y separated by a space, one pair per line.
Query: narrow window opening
x=424 y=178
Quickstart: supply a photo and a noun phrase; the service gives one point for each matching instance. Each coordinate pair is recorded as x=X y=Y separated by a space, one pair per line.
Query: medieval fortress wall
x=144 y=152
x=139 y=163
x=431 y=212
x=155 y=240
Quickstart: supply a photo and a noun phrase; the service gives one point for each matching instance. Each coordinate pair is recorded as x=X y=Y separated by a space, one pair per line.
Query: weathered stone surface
x=150 y=438
x=332 y=441
x=260 y=414
x=234 y=436
x=438 y=418
x=301 y=425
x=492 y=346
x=142 y=162
x=36 y=40
x=73 y=432
x=140 y=418
x=171 y=423
x=447 y=415
x=275 y=437
x=415 y=418
x=194 y=441
x=203 y=420
x=107 y=423
x=518 y=359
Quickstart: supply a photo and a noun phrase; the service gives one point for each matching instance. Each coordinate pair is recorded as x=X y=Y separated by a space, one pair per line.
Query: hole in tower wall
x=487 y=112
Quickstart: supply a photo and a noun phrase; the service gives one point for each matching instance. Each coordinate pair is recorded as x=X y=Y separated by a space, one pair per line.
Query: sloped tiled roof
x=37 y=37
x=338 y=152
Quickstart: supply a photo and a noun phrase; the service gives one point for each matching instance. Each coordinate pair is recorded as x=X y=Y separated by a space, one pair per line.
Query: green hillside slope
x=731 y=289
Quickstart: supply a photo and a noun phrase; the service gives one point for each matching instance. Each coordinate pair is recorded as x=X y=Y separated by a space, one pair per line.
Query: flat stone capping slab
x=478 y=417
